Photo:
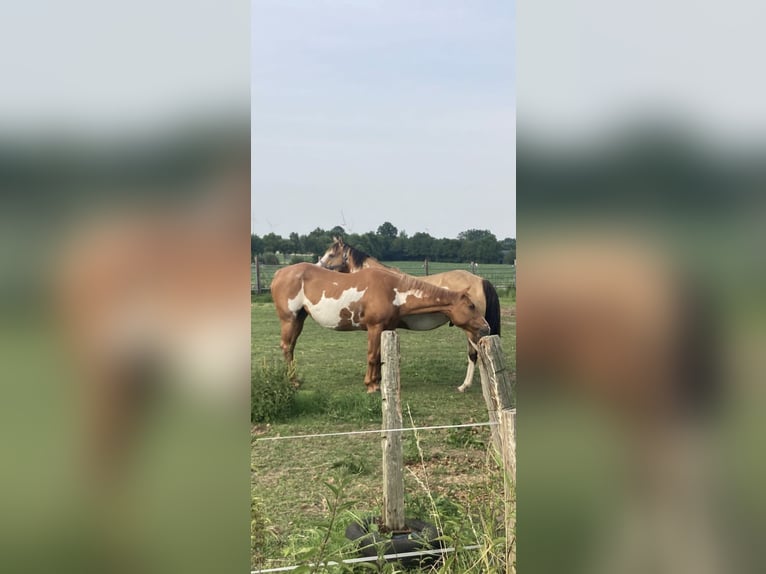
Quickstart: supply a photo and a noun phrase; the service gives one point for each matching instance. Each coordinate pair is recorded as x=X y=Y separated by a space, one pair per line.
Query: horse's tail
x=492 y=314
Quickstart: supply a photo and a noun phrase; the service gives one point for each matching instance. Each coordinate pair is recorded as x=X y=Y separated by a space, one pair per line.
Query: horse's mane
x=409 y=282
x=357 y=256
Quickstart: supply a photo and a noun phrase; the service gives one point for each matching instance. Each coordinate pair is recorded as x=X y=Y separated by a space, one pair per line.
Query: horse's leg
x=291 y=330
x=118 y=394
x=372 y=378
x=473 y=355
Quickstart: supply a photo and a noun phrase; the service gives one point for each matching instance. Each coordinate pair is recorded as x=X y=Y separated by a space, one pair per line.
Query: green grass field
x=449 y=471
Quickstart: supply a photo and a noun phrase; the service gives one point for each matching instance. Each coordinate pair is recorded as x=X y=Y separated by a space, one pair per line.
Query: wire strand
x=377 y=431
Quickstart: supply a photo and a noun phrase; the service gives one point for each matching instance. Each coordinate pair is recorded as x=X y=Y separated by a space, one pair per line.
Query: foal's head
x=336 y=256
x=467 y=316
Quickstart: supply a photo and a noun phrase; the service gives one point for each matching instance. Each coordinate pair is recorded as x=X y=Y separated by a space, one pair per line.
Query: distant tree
x=388 y=230
x=420 y=246
x=488 y=251
x=448 y=249
x=256 y=245
x=338 y=231
x=476 y=235
x=479 y=245
x=317 y=241
x=508 y=246
x=295 y=243
x=398 y=247
x=386 y=235
x=371 y=243
x=273 y=242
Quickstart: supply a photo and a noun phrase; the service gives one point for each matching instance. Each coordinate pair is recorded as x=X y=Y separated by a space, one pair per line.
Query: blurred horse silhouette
x=156 y=296
x=613 y=336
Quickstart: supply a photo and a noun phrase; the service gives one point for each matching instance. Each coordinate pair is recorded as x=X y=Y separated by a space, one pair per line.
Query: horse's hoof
x=460 y=389
x=373 y=389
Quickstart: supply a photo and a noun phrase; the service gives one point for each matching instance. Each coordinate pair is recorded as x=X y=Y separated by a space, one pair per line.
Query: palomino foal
x=372 y=300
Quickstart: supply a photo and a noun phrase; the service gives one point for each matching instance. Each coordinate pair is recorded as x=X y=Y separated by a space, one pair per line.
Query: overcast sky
x=369 y=111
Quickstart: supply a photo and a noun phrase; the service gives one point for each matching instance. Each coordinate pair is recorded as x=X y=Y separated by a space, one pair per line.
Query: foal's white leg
x=468 y=376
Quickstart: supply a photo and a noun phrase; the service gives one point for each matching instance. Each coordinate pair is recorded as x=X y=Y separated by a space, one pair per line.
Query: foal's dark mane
x=356 y=256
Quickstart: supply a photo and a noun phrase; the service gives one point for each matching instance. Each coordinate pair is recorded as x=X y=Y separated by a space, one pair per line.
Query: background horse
x=617 y=362
x=144 y=303
x=372 y=300
x=347 y=259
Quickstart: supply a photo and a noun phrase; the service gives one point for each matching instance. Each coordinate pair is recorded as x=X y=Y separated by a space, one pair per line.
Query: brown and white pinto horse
x=372 y=300
x=347 y=259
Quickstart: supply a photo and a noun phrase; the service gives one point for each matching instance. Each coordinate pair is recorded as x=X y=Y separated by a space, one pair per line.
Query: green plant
x=301 y=259
x=270 y=259
x=260 y=530
x=352 y=464
x=337 y=503
x=272 y=393
x=466 y=437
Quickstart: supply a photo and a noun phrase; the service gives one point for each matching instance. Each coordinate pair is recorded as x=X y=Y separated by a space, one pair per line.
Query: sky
x=367 y=111
x=95 y=68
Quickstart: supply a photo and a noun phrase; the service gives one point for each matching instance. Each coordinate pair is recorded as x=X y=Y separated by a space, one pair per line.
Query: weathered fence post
x=257 y=276
x=393 y=471
x=495 y=383
x=508 y=434
x=425 y=264
x=496 y=387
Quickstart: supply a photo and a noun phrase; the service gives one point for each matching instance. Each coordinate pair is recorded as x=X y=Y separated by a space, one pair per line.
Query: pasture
x=450 y=476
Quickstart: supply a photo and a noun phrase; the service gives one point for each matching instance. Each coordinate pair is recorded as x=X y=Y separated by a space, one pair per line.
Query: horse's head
x=467 y=316
x=336 y=256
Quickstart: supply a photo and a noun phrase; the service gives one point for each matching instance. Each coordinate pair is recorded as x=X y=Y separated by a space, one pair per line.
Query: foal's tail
x=492 y=314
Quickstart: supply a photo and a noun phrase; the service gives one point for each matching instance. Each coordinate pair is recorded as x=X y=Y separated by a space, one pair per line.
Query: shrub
x=272 y=393
x=301 y=259
x=270 y=259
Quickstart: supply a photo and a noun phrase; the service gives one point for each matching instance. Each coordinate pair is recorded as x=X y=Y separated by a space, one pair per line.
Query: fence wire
x=386 y=557
x=376 y=431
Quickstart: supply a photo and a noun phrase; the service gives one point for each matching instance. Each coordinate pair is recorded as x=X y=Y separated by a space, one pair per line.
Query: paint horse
x=372 y=300
x=347 y=259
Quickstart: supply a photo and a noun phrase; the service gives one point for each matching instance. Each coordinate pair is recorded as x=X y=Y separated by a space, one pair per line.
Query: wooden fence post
x=495 y=383
x=393 y=466
x=425 y=264
x=257 y=276
x=496 y=387
x=508 y=434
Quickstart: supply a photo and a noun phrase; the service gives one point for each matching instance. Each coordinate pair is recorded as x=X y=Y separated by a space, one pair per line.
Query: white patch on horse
x=327 y=311
x=401 y=298
x=296 y=304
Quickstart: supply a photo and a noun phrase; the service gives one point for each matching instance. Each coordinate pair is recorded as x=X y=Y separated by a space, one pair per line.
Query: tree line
x=388 y=243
